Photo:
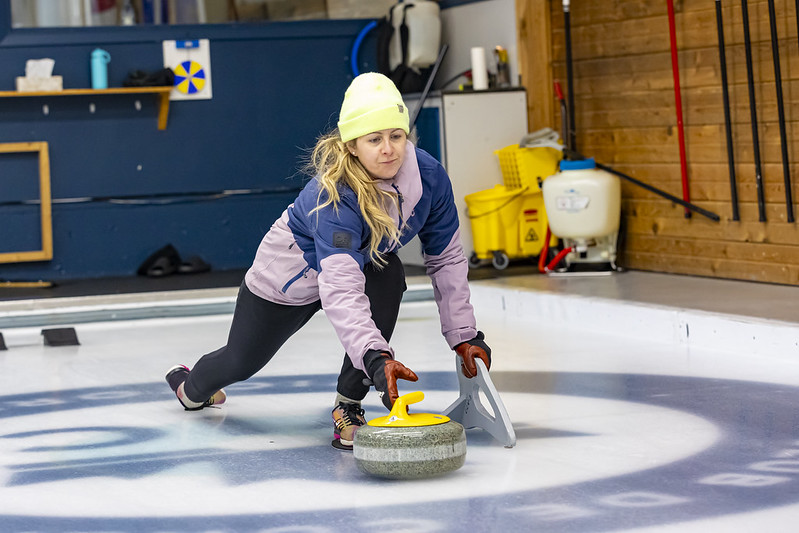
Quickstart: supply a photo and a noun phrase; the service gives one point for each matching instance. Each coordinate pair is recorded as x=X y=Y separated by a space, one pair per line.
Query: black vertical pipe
x=727 y=119
x=564 y=118
x=572 y=140
x=761 y=201
x=428 y=85
x=775 y=50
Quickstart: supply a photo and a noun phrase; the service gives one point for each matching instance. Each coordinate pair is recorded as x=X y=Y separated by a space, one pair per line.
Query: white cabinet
x=463 y=129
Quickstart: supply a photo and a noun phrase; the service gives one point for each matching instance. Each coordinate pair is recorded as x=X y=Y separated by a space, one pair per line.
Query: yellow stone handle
x=400 y=409
x=399 y=416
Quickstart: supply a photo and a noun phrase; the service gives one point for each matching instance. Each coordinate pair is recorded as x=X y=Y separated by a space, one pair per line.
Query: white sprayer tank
x=582 y=202
x=424 y=33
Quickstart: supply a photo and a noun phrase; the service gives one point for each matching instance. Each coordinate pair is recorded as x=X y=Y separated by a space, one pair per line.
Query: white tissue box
x=53 y=83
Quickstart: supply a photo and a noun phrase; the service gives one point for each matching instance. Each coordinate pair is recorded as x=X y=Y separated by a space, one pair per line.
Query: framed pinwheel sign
x=191 y=62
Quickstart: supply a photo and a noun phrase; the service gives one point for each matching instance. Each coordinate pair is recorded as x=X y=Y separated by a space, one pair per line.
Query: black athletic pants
x=260 y=328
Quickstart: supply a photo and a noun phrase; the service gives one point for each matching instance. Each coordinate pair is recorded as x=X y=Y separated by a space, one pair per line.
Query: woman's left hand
x=384 y=372
x=469 y=350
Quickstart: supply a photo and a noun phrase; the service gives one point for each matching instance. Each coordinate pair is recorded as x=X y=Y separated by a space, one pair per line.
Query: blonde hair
x=333 y=164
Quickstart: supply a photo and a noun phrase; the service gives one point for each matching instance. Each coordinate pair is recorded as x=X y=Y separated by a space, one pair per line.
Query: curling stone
x=409 y=446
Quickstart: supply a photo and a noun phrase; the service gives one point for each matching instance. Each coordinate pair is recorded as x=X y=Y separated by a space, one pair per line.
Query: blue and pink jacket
x=308 y=257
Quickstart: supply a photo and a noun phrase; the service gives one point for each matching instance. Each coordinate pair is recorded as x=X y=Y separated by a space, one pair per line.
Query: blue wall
x=276 y=87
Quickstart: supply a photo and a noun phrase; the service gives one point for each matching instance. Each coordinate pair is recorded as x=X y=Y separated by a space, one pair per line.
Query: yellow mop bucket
x=510 y=220
x=506 y=224
x=494 y=216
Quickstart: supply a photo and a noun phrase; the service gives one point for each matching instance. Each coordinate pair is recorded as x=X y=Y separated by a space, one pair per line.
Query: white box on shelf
x=27 y=85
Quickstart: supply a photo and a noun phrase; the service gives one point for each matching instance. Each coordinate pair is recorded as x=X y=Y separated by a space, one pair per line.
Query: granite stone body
x=410 y=452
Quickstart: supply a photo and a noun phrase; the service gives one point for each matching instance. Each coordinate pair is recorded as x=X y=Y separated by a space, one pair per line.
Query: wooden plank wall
x=626 y=118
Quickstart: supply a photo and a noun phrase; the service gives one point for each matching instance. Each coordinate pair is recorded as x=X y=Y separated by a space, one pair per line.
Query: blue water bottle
x=99 y=63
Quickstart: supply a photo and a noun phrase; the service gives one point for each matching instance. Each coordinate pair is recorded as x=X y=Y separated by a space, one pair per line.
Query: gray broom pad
x=470 y=412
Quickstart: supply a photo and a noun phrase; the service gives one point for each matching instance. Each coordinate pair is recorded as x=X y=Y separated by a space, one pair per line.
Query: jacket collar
x=408 y=182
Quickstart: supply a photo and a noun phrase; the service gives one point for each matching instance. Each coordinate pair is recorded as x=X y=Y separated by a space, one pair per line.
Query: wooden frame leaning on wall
x=45 y=204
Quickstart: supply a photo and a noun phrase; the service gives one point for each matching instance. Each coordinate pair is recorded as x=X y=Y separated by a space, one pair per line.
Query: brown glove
x=384 y=373
x=469 y=350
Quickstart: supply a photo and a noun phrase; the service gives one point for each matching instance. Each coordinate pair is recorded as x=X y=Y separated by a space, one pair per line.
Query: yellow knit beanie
x=371 y=103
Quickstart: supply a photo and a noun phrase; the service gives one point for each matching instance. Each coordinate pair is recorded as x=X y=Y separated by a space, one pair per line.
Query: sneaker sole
x=176 y=368
x=345 y=442
x=172 y=371
x=341 y=446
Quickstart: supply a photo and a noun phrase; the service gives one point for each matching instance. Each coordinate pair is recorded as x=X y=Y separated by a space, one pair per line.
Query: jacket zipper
x=396 y=245
x=301 y=274
x=399 y=197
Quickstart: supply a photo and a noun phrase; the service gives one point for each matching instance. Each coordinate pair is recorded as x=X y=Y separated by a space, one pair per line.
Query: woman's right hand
x=384 y=373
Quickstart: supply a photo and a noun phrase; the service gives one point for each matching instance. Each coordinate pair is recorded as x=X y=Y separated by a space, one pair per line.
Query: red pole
x=675 y=68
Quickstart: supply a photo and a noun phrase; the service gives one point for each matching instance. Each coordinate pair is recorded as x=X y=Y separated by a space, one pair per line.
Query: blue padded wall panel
x=19 y=176
x=276 y=87
x=106 y=240
x=20 y=228
x=20 y=221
